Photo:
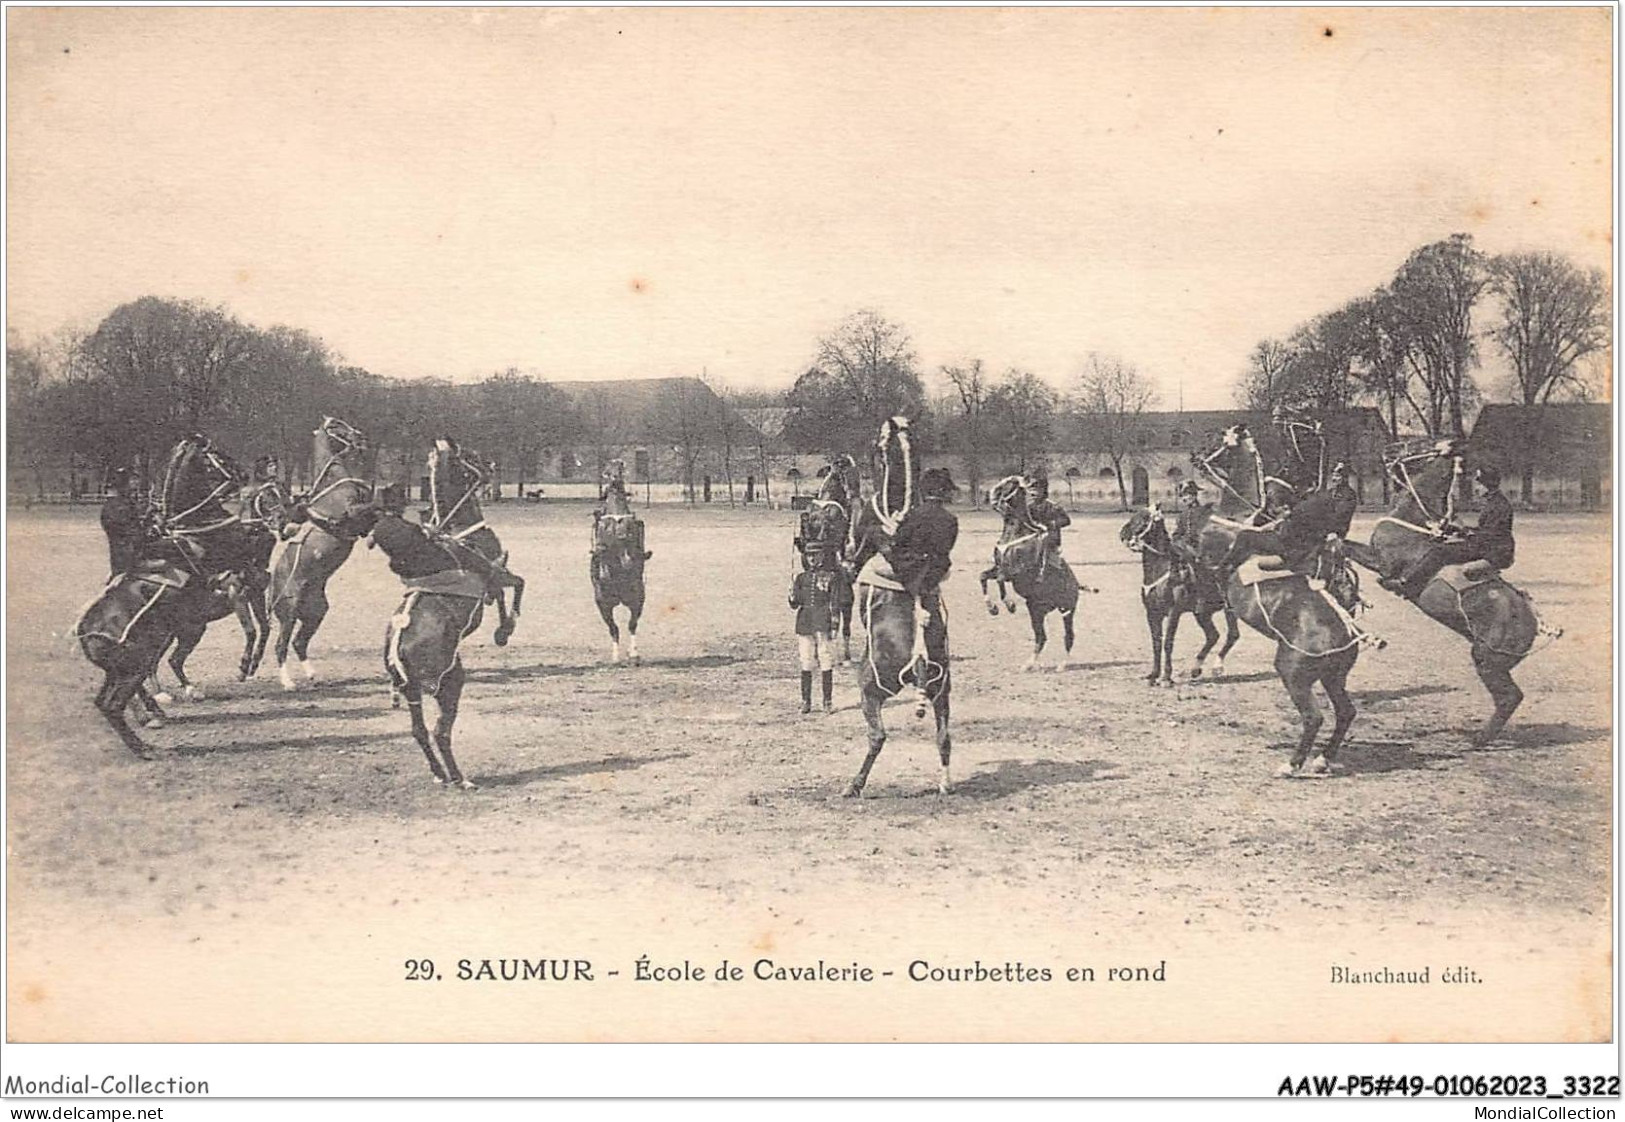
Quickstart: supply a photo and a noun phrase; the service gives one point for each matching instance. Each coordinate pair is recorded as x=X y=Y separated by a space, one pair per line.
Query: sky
x=636 y=193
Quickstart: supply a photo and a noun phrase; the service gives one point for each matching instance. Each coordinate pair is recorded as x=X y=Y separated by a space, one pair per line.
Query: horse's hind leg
x=315 y=605
x=119 y=691
x=945 y=744
x=1068 y=632
x=1496 y=674
x=1210 y=637
x=1335 y=681
x=636 y=610
x=420 y=731
x=606 y=609
x=451 y=691
x=877 y=739
x=1232 y=632
x=1300 y=686
x=186 y=642
x=1035 y=613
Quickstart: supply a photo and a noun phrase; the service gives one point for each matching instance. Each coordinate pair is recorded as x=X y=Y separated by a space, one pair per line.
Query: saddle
x=448 y=582
x=877 y=571
x=1460 y=578
x=159 y=571
x=1262 y=567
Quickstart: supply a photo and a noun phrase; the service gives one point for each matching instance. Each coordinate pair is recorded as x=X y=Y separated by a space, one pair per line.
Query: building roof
x=651 y=409
x=1560 y=432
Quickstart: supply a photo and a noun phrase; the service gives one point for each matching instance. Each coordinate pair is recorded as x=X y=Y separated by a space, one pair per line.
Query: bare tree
x=728 y=427
x=1435 y=291
x=967 y=434
x=1261 y=386
x=680 y=417
x=1112 y=399
x=1024 y=407
x=864 y=373
x=1553 y=314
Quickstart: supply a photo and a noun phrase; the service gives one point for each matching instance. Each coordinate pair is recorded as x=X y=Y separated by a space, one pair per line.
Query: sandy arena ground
x=269 y=874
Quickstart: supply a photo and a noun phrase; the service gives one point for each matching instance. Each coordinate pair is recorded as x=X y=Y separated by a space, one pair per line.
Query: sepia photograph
x=809 y=525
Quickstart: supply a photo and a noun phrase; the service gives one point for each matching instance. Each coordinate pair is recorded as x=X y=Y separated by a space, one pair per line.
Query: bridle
x=476 y=479
x=229 y=480
x=893 y=431
x=350 y=440
x=1220 y=476
x=1295 y=429
x=1399 y=471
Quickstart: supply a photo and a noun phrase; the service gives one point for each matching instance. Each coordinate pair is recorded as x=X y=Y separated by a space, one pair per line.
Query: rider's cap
x=936 y=483
x=1190 y=487
x=1489 y=476
x=1339 y=468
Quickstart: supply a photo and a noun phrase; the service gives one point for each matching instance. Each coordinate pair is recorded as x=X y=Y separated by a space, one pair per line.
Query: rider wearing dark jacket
x=919 y=550
x=1490 y=541
x=122 y=523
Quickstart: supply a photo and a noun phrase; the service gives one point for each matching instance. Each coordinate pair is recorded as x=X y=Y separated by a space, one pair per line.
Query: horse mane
x=896 y=490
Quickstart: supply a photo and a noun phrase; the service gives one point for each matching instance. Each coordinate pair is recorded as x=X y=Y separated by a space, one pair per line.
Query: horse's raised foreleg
x=1007 y=596
x=451 y=691
x=1495 y=672
x=987 y=575
x=871 y=702
x=1299 y=681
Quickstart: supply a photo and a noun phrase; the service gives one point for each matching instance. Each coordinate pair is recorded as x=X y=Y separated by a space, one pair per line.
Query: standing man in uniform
x=812 y=594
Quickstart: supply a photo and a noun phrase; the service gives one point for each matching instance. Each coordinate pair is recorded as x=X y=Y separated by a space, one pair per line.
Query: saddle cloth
x=877 y=571
x=450 y=582
x=1263 y=567
x=1471 y=575
x=159 y=572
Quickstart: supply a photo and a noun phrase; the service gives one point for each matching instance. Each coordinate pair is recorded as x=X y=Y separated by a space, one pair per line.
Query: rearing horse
x=1169 y=588
x=1473 y=600
x=890 y=662
x=340 y=492
x=1313 y=640
x=617 y=561
x=1019 y=561
x=455 y=478
x=824 y=537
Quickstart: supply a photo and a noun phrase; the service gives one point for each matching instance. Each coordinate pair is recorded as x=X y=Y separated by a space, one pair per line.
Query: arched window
x=1106 y=473
x=1175 y=472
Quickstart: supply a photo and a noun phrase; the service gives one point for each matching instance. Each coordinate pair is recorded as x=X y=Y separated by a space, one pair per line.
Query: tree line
x=1413 y=346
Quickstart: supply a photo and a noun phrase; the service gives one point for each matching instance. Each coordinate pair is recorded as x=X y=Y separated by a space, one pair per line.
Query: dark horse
x=444 y=604
x=455 y=479
x=1497 y=618
x=127 y=628
x=261 y=513
x=824 y=537
x=1169 y=588
x=319 y=542
x=617 y=565
x=1314 y=641
x=891 y=663
x=1019 y=561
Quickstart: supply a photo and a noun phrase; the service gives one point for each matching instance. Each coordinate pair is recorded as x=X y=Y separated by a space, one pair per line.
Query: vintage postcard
x=809 y=525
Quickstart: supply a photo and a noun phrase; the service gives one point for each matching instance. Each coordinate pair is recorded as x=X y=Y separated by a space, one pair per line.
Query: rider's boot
x=828 y=684
x=806 y=691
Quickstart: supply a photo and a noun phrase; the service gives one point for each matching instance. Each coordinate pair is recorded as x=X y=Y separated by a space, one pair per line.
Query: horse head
x=1009 y=497
x=898 y=471
x=344 y=479
x=1237 y=469
x=1425 y=479
x=196 y=480
x=1144 y=528
x=456 y=475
